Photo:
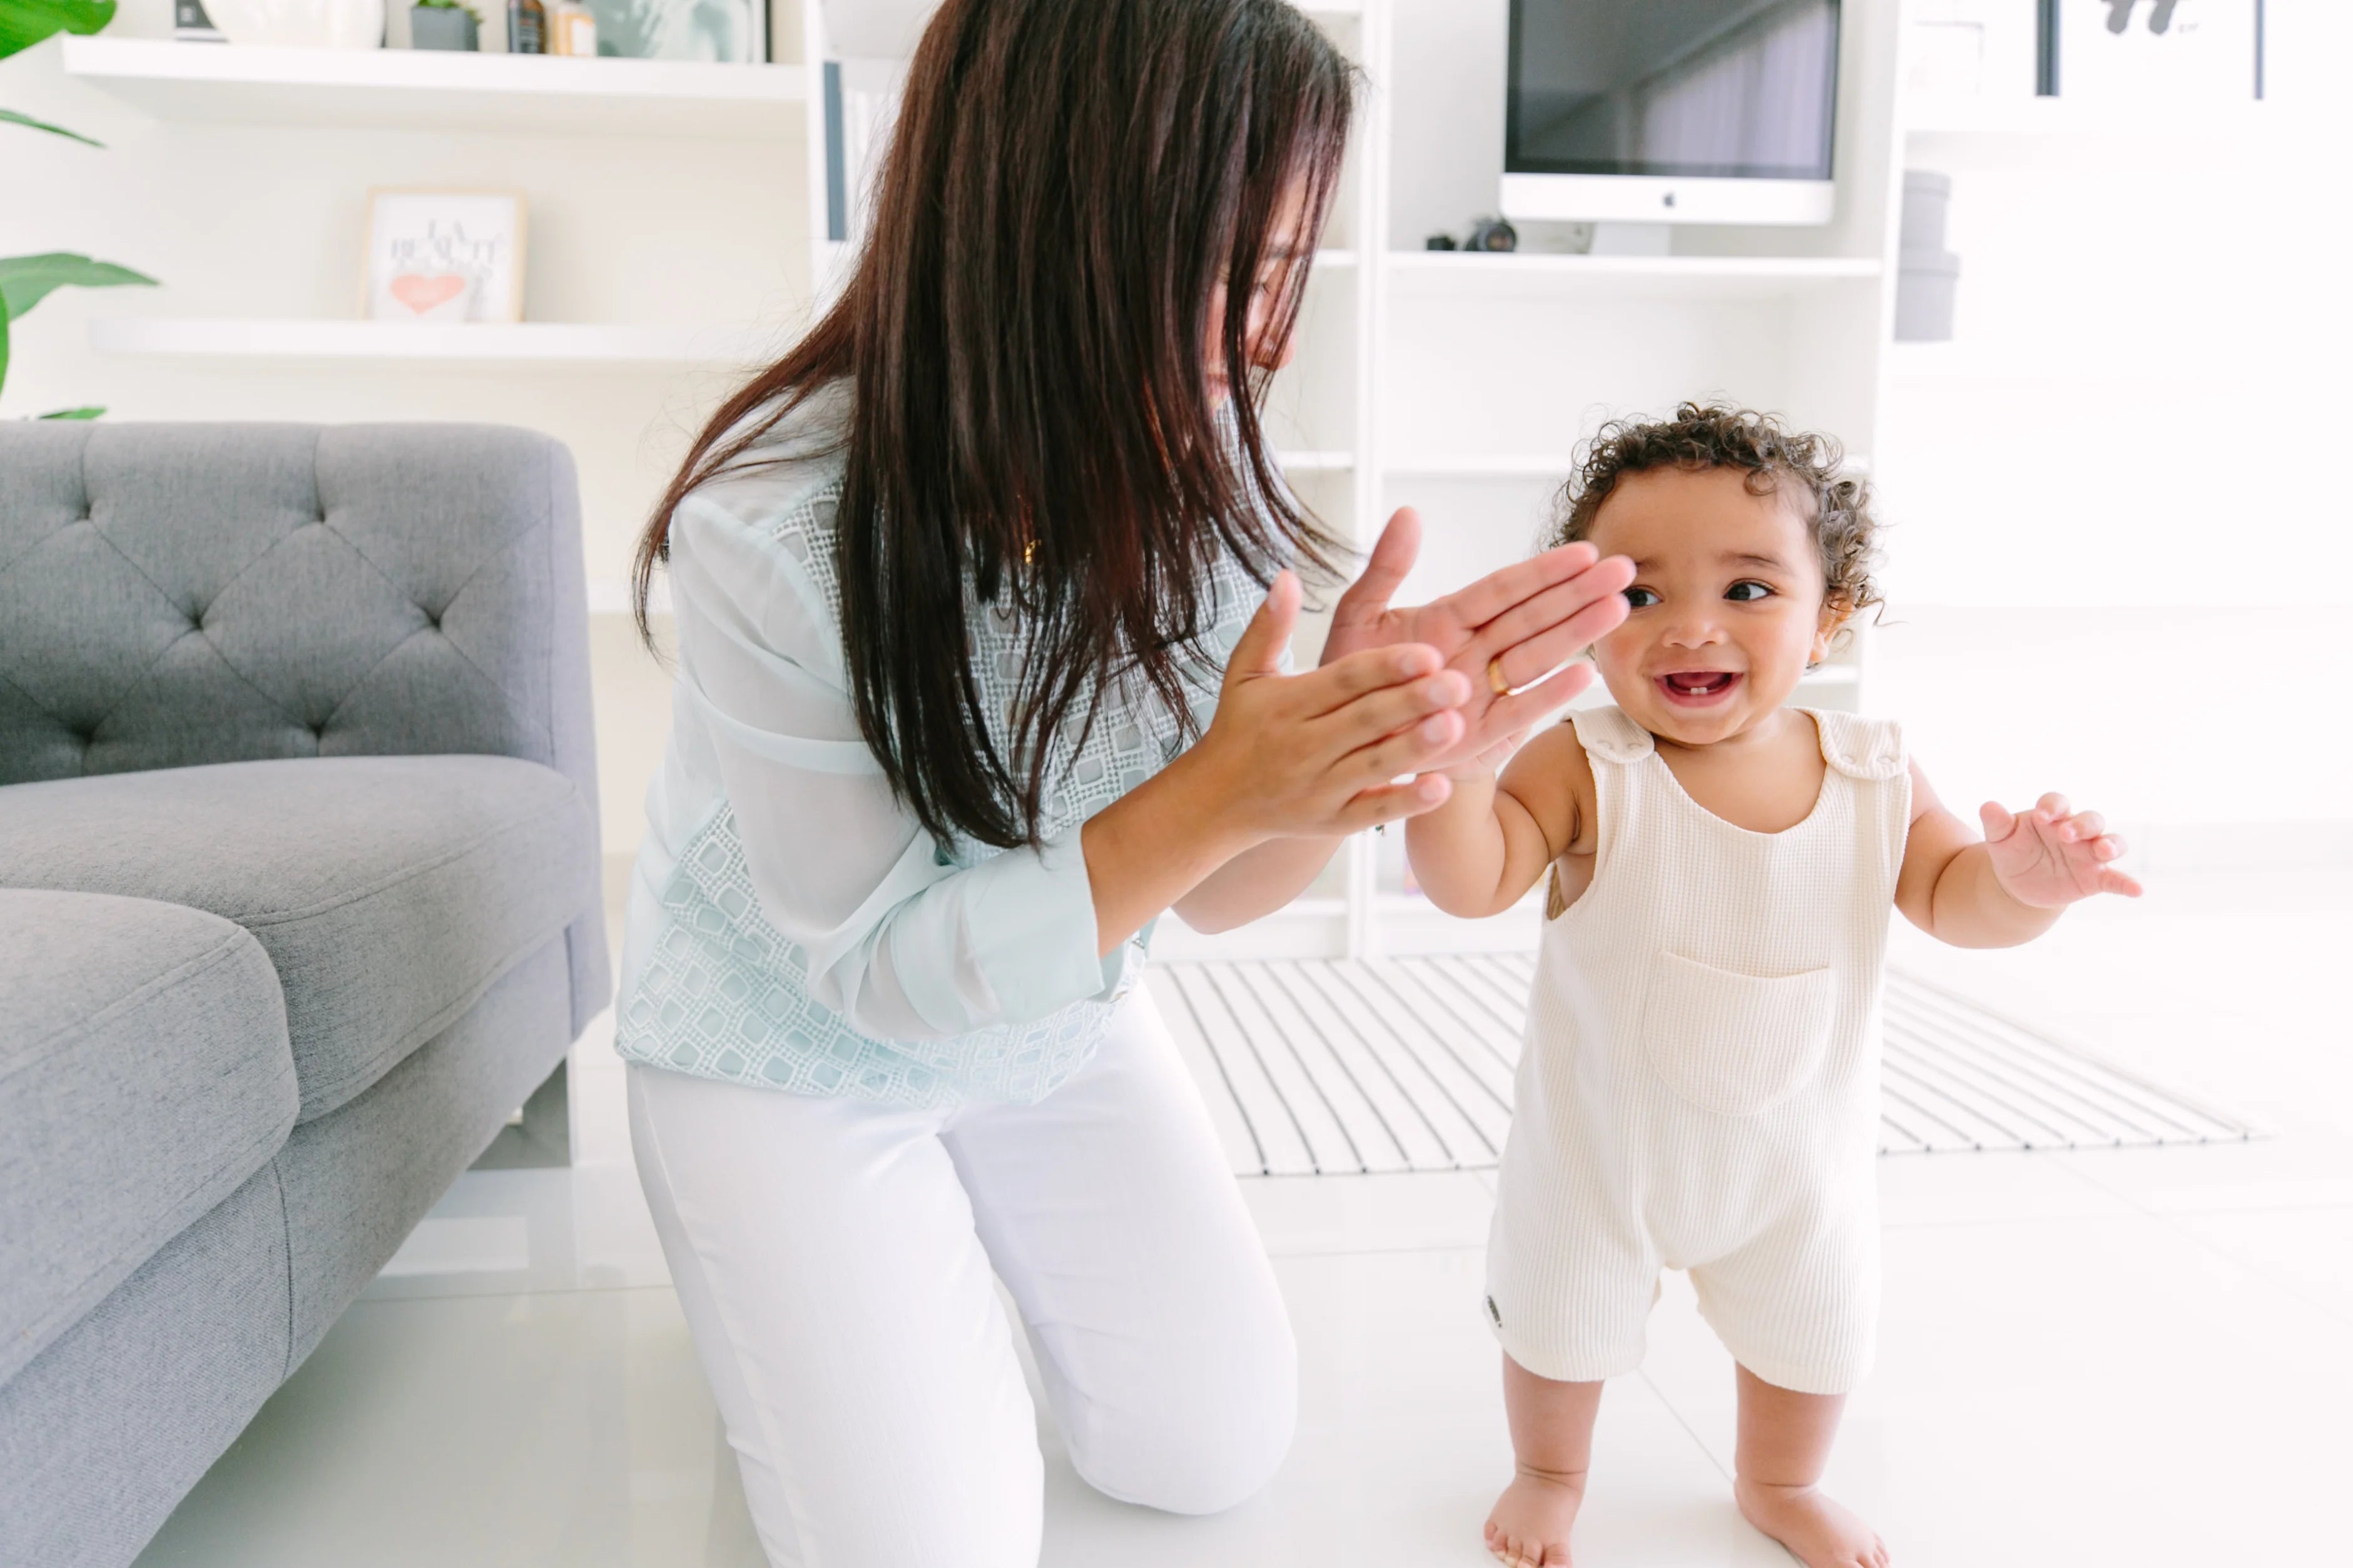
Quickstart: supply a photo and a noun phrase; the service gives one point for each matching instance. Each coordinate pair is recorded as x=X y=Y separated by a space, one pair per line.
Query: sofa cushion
x=144 y=1075
x=389 y=891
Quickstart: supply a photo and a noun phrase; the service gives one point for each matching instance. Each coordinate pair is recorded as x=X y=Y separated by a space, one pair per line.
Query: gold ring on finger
x=1495 y=681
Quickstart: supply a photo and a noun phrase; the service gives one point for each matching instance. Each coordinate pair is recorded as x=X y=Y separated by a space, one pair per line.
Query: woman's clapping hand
x=1320 y=754
x=1529 y=619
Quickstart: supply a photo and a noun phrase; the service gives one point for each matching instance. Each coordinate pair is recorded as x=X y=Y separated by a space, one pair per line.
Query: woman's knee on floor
x=1204 y=1428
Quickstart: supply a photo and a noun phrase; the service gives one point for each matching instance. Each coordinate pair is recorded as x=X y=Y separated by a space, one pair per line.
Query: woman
x=970 y=689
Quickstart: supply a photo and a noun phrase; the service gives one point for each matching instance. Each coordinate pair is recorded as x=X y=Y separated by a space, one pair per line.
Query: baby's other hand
x=2053 y=855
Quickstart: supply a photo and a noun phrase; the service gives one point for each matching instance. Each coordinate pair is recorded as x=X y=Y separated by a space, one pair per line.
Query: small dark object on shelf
x=1440 y=242
x=1492 y=233
x=527 y=28
x=443 y=26
x=191 y=26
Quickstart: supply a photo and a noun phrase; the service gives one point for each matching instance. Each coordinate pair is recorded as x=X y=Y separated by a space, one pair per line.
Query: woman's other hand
x=1530 y=618
x=1289 y=756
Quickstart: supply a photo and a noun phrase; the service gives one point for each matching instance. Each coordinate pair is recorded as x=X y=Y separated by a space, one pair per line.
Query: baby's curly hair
x=1704 y=435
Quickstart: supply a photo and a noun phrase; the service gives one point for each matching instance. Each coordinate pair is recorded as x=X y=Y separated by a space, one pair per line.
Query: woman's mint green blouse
x=790 y=924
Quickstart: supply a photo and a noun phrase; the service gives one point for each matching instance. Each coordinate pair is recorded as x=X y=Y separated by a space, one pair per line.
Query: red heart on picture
x=421 y=292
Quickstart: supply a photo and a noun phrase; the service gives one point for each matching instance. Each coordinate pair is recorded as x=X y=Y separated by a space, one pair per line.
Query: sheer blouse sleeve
x=900 y=941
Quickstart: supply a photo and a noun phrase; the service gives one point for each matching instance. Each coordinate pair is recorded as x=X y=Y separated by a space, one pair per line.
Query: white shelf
x=1444 y=273
x=520 y=343
x=1917 y=363
x=1515 y=466
x=434 y=89
x=1964 y=119
x=1495 y=466
x=1301 y=462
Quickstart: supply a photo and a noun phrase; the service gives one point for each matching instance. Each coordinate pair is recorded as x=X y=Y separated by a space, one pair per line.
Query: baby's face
x=1725 y=610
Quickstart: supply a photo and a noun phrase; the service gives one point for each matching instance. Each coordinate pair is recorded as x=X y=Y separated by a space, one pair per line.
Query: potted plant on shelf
x=26 y=280
x=444 y=24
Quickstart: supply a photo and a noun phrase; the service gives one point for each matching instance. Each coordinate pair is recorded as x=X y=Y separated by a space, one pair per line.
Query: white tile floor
x=2121 y=1358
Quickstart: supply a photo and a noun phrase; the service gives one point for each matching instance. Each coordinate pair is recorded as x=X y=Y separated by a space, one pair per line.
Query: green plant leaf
x=10 y=117
x=24 y=23
x=26 y=280
x=3 y=350
x=75 y=414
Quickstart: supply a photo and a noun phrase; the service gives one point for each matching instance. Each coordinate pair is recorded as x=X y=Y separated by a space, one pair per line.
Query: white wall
x=2122 y=552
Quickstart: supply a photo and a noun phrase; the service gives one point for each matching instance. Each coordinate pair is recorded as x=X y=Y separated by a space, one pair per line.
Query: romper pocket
x=1735 y=1043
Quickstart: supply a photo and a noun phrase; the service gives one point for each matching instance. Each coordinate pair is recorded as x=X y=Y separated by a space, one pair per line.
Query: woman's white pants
x=834 y=1259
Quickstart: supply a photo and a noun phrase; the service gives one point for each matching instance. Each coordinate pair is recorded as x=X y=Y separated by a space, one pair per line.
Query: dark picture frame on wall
x=2170 y=51
x=730 y=31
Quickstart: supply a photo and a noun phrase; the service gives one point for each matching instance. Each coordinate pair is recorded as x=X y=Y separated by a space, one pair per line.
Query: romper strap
x=1609 y=734
x=1861 y=747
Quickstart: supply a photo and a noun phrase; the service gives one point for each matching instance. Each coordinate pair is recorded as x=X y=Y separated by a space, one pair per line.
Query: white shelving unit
x=1553 y=466
x=1462 y=382
x=1439 y=273
x=445 y=91
x=1991 y=118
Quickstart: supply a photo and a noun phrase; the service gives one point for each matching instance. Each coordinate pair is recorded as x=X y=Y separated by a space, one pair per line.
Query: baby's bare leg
x=1552 y=1445
x=1785 y=1442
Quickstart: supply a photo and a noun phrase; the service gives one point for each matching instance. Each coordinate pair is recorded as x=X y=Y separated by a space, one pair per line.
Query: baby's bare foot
x=1818 y=1532
x=1530 y=1525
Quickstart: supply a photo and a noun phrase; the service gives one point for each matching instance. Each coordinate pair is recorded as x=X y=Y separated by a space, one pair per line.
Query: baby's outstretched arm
x=2009 y=887
x=1475 y=854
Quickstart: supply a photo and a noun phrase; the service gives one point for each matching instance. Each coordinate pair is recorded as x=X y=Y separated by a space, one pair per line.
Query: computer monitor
x=1670 y=111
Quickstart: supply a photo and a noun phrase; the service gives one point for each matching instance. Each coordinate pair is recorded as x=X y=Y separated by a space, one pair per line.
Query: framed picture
x=445 y=256
x=2158 y=52
x=1970 y=49
x=734 y=32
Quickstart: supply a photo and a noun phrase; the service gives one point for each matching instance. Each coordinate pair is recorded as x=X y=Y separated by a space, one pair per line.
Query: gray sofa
x=299 y=901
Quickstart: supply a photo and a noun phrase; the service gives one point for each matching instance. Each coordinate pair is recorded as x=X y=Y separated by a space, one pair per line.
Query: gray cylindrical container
x=1928 y=195
x=1926 y=274
x=1924 y=285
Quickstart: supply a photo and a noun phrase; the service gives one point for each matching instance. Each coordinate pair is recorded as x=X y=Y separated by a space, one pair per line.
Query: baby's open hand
x=2053 y=855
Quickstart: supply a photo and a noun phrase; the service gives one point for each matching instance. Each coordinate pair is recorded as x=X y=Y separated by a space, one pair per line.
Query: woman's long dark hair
x=1025 y=332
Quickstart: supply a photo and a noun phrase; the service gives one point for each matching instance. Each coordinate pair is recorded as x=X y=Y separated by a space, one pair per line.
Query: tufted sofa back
x=174 y=595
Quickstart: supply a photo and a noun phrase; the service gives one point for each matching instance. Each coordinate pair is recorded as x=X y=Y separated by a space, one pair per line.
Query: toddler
x=1700 y=1085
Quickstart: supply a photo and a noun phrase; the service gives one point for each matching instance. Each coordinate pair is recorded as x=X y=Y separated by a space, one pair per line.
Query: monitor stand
x=1631 y=239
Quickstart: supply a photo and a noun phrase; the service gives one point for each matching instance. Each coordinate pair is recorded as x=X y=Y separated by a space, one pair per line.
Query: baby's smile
x=1698 y=688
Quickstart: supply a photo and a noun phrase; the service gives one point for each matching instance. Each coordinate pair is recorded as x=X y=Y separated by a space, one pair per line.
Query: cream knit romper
x=1699 y=1087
